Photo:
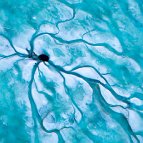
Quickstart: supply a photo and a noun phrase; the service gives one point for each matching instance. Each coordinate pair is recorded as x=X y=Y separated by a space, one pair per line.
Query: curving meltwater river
x=71 y=71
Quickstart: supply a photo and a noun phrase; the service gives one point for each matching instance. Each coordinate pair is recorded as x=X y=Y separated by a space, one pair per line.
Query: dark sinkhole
x=43 y=58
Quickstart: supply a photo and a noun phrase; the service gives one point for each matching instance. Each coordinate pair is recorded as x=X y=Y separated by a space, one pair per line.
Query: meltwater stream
x=71 y=71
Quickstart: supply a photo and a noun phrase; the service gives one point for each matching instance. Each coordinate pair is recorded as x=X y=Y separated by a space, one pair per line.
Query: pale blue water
x=91 y=89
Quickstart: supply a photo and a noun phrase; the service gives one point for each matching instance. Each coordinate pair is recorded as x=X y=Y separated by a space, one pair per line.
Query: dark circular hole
x=43 y=58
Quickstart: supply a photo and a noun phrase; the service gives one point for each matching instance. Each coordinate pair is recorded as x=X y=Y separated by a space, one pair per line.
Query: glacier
x=88 y=86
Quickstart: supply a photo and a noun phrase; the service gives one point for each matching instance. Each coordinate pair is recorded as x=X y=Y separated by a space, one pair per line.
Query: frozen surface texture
x=88 y=86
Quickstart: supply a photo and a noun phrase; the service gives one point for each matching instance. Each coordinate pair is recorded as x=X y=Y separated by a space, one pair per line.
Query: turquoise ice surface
x=88 y=86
